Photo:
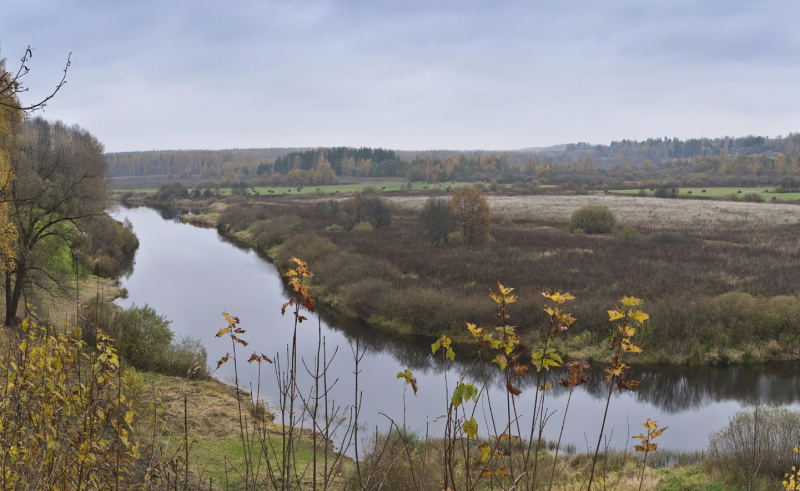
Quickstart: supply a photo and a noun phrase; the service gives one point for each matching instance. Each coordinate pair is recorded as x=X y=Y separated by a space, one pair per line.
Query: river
x=191 y=275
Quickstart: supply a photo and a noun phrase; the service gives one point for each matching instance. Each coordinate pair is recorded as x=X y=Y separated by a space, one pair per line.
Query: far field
x=340 y=188
x=765 y=192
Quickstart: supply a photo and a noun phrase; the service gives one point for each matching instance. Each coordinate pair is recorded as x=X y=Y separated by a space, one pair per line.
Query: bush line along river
x=191 y=275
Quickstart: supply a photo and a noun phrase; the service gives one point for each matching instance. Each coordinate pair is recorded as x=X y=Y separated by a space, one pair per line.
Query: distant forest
x=702 y=162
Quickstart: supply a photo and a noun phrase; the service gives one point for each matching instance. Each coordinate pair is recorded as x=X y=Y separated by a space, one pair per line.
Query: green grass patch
x=209 y=454
x=136 y=190
x=689 y=479
x=722 y=192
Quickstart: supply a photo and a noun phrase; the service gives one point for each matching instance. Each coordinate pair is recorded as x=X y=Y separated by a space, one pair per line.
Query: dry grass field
x=646 y=214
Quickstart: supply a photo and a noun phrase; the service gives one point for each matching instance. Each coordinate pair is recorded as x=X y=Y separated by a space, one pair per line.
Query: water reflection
x=191 y=275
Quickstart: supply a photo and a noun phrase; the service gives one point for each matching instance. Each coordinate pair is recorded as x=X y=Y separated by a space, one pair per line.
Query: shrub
x=370 y=209
x=370 y=190
x=753 y=198
x=241 y=217
x=506 y=222
x=327 y=209
x=436 y=221
x=470 y=212
x=334 y=206
x=593 y=219
x=268 y=233
x=107 y=247
x=363 y=227
x=334 y=228
x=187 y=358
x=341 y=270
x=456 y=238
x=145 y=340
x=661 y=193
x=755 y=443
x=259 y=411
x=322 y=210
x=370 y=294
x=307 y=245
x=126 y=196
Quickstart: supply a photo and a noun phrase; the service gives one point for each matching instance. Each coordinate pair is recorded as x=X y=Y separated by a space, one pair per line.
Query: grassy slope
x=213 y=424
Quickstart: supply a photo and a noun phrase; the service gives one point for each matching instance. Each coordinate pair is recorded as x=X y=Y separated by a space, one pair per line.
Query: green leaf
x=463 y=393
x=435 y=346
x=501 y=360
x=450 y=354
x=471 y=427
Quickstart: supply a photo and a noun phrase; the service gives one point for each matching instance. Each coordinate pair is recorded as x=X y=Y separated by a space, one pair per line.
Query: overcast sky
x=461 y=74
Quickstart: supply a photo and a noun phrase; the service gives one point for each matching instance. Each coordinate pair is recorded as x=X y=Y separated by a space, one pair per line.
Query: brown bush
x=271 y=232
x=307 y=245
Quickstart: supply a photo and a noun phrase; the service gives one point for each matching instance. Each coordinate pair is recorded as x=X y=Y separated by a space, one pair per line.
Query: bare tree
x=59 y=185
x=12 y=84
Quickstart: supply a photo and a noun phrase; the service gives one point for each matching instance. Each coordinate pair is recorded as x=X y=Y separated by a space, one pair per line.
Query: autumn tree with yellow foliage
x=10 y=118
x=470 y=212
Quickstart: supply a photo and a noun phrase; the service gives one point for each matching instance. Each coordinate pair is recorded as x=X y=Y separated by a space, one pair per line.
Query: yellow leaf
x=658 y=432
x=630 y=301
x=639 y=316
x=504 y=290
x=485 y=450
x=614 y=315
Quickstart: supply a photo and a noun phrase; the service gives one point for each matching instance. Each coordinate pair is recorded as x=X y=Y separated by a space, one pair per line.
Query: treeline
x=751 y=160
x=660 y=149
x=717 y=170
x=185 y=163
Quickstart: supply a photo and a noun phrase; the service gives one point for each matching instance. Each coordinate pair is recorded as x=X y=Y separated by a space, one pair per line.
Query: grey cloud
x=411 y=74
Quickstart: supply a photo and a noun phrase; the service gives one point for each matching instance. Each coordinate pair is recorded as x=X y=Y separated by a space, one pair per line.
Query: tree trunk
x=13 y=295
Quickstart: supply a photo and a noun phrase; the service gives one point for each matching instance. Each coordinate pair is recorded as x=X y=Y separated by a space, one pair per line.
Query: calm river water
x=192 y=275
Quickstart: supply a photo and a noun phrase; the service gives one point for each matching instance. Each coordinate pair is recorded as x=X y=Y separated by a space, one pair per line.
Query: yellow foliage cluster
x=9 y=118
x=64 y=419
x=792 y=481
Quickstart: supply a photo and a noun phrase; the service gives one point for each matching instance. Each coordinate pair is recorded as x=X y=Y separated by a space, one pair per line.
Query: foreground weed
x=646 y=446
x=627 y=315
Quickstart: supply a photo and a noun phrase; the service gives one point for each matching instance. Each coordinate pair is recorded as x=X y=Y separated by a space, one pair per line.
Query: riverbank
x=708 y=303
